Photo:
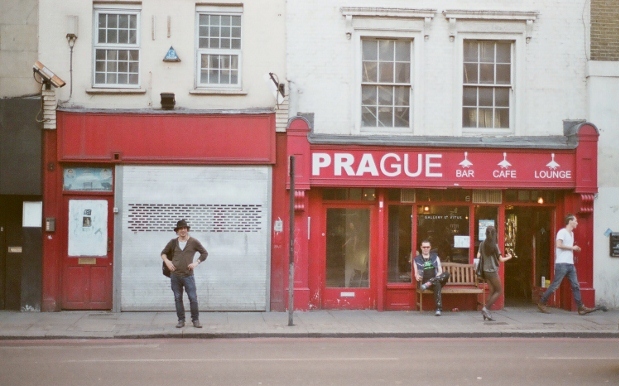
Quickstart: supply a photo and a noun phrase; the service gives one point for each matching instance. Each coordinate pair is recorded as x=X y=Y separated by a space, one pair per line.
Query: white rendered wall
x=18 y=47
x=603 y=83
x=322 y=66
x=263 y=50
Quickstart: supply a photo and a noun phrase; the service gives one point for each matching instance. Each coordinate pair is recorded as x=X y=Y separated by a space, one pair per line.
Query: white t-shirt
x=565 y=255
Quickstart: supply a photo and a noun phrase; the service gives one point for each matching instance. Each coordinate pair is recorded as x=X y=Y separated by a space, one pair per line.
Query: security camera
x=48 y=75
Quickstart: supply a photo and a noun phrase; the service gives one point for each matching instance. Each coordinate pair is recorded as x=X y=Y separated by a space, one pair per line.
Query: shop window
x=219 y=55
x=399 y=244
x=116 y=48
x=447 y=230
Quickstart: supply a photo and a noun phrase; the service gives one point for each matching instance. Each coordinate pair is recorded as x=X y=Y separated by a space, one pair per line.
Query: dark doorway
x=529 y=231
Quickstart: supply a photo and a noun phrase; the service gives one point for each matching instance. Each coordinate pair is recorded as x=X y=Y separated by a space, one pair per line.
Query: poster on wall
x=88 y=228
x=483 y=224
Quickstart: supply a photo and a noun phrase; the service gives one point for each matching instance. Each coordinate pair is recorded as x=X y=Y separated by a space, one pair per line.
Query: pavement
x=510 y=322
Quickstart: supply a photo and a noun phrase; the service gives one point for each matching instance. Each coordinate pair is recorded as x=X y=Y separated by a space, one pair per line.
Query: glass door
x=348 y=258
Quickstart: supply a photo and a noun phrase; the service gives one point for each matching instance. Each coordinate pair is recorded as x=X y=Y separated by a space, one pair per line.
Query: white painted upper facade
x=118 y=57
x=548 y=61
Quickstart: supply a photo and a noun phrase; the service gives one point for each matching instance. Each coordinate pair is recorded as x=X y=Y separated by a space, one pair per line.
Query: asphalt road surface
x=312 y=361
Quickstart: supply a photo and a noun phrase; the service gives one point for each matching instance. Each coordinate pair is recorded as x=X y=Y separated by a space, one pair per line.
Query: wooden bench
x=462 y=280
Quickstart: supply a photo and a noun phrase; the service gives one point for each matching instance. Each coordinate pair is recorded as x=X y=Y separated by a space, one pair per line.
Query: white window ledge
x=217 y=92
x=508 y=17
x=115 y=91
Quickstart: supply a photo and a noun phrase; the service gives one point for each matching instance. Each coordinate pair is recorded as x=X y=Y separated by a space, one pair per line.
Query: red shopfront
x=362 y=208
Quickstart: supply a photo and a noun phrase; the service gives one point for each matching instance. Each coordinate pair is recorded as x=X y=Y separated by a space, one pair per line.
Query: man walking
x=428 y=270
x=564 y=266
x=178 y=256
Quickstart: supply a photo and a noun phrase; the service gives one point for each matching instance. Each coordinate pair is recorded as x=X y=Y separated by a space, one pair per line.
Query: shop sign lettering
x=389 y=165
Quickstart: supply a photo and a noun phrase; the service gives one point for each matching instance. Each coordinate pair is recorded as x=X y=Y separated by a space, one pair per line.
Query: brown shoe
x=583 y=310
x=542 y=308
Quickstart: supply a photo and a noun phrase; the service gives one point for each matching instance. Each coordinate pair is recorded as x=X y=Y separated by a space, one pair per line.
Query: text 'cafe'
x=363 y=205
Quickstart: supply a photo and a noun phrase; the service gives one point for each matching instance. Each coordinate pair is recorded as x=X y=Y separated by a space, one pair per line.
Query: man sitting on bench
x=427 y=267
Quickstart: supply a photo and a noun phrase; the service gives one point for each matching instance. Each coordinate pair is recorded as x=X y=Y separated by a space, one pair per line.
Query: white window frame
x=232 y=10
x=389 y=23
x=511 y=89
x=116 y=9
x=513 y=26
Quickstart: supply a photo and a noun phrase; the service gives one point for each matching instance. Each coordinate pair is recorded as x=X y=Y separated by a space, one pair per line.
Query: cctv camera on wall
x=48 y=75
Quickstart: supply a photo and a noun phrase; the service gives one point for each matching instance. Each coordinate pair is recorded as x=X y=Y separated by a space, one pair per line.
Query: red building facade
x=363 y=206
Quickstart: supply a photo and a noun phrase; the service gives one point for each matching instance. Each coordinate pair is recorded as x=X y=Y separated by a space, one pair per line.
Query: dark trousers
x=437 y=283
x=189 y=283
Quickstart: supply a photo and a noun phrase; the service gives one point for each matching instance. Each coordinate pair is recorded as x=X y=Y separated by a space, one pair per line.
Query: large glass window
x=447 y=229
x=219 y=49
x=117 y=48
x=487 y=84
x=348 y=247
x=386 y=83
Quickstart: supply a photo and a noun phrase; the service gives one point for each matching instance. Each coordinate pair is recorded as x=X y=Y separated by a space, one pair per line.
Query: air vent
x=487 y=197
x=407 y=195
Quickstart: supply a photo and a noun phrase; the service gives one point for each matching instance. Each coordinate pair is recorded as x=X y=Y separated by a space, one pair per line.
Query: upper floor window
x=117 y=48
x=219 y=47
x=386 y=83
x=487 y=84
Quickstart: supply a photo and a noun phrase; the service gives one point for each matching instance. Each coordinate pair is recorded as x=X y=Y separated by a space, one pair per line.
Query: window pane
x=402 y=96
x=370 y=51
x=502 y=97
x=123 y=21
x=402 y=51
x=487 y=52
x=368 y=116
x=486 y=74
x=369 y=95
x=469 y=96
x=402 y=72
x=385 y=117
x=401 y=117
x=469 y=117
x=385 y=71
x=503 y=75
x=470 y=73
x=485 y=118
x=471 y=51
x=385 y=95
x=370 y=72
x=503 y=53
x=385 y=50
x=502 y=118
x=486 y=96
x=112 y=36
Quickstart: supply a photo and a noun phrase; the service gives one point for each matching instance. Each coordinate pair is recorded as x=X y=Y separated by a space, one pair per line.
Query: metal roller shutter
x=228 y=210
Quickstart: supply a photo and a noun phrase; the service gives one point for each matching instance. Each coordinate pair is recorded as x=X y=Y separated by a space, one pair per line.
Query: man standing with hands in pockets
x=564 y=266
x=178 y=256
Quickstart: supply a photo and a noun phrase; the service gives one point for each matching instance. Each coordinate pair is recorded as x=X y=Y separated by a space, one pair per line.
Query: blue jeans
x=177 y=284
x=562 y=270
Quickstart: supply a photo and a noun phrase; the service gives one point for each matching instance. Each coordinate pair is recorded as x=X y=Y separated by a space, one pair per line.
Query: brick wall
x=605 y=30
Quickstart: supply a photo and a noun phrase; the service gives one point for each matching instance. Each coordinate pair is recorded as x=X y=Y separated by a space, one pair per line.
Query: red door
x=348 y=275
x=87 y=271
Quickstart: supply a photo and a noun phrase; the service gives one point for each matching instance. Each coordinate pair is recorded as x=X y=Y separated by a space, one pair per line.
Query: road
x=311 y=361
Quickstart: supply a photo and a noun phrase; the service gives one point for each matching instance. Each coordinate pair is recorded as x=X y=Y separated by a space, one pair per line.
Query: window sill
x=217 y=92
x=115 y=91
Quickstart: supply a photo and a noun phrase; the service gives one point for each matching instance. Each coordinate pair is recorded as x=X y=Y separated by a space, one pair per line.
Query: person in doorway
x=178 y=256
x=429 y=273
x=564 y=266
x=489 y=257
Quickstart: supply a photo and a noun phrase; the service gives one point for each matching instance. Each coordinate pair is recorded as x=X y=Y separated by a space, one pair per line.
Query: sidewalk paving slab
x=509 y=322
